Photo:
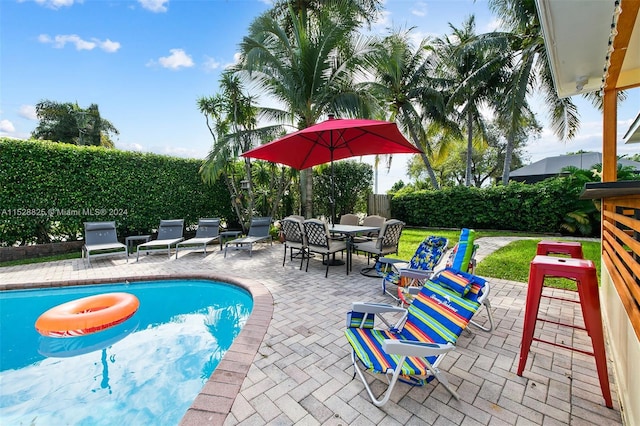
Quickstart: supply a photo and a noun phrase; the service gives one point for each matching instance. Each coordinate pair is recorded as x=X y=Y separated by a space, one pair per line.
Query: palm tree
x=524 y=48
x=232 y=118
x=402 y=83
x=307 y=64
x=472 y=73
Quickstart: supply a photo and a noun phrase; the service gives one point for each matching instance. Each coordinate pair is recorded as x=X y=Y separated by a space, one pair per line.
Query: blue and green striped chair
x=412 y=349
x=425 y=259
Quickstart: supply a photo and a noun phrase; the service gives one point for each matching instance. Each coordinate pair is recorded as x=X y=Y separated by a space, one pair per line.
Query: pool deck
x=291 y=364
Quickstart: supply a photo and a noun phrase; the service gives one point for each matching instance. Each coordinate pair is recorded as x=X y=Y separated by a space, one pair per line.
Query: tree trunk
x=467 y=176
x=306 y=192
x=425 y=160
x=508 y=155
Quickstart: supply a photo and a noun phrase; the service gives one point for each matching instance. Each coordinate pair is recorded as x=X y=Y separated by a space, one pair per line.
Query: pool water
x=147 y=370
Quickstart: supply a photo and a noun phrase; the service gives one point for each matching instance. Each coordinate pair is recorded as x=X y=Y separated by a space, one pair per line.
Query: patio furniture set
x=437 y=296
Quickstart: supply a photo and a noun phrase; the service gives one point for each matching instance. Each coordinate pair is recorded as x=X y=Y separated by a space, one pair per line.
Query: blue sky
x=146 y=62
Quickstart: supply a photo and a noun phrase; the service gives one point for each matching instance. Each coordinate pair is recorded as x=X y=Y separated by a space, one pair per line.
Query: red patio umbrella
x=334 y=139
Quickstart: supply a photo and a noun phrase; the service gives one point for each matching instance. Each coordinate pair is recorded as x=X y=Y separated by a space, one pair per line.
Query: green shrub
x=48 y=189
x=517 y=206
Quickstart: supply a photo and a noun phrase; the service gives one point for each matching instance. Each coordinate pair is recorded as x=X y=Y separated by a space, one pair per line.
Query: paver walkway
x=302 y=372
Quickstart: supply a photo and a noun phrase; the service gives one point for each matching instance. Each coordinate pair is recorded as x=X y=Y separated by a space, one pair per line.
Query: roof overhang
x=577 y=36
x=633 y=134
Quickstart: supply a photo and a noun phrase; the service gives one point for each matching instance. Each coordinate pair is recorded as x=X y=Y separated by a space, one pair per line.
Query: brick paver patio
x=302 y=373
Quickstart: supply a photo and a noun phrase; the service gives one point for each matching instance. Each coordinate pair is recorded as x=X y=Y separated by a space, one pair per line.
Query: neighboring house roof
x=552 y=166
x=633 y=134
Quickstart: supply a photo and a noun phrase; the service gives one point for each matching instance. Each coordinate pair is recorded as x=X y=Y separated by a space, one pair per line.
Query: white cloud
x=493 y=25
x=129 y=146
x=61 y=41
x=156 y=6
x=382 y=23
x=7 y=126
x=109 y=46
x=211 y=64
x=178 y=59
x=54 y=4
x=419 y=9
x=28 y=112
x=236 y=61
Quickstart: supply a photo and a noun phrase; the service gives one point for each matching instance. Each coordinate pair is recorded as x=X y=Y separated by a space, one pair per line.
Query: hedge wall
x=519 y=207
x=48 y=189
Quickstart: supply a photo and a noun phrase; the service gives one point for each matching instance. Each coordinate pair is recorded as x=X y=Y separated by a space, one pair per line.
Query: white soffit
x=576 y=34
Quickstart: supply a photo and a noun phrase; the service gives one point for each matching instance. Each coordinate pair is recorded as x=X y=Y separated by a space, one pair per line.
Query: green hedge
x=519 y=207
x=48 y=189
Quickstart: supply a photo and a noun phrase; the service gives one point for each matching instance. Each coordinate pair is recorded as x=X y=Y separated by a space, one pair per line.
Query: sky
x=146 y=62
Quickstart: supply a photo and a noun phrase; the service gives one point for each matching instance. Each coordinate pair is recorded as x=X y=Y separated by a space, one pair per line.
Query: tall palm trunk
x=425 y=159
x=306 y=185
x=467 y=179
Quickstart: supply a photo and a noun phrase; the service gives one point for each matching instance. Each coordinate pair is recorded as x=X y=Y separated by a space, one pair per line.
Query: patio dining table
x=350 y=231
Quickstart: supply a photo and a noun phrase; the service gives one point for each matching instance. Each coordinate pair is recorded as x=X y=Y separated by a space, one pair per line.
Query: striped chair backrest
x=439 y=314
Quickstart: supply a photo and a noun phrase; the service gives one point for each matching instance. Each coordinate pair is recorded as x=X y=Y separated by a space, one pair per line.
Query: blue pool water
x=147 y=370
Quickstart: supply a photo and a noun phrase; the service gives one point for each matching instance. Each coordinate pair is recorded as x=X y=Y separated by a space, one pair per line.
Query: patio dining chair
x=319 y=241
x=412 y=349
x=371 y=220
x=349 y=219
x=294 y=238
x=386 y=243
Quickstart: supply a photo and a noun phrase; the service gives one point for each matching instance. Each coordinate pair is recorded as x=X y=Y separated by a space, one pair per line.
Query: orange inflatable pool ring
x=87 y=315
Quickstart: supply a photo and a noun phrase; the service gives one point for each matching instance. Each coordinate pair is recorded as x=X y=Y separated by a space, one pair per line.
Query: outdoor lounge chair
x=294 y=238
x=101 y=239
x=462 y=259
x=258 y=231
x=420 y=267
x=207 y=232
x=169 y=234
x=412 y=349
x=463 y=255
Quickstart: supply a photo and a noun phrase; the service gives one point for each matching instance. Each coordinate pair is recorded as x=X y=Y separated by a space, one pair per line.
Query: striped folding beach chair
x=412 y=349
x=425 y=259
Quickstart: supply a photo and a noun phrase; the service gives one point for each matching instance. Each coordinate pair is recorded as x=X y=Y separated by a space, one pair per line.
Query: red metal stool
x=584 y=273
x=572 y=249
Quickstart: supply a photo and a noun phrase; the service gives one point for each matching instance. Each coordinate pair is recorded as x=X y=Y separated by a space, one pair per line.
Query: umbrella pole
x=333 y=188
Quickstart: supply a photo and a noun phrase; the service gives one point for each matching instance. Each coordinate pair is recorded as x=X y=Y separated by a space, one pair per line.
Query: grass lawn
x=74 y=255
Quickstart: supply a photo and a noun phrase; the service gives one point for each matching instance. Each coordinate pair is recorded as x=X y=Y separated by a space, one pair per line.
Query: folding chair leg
x=385 y=396
x=443 y=380
x=487 y=306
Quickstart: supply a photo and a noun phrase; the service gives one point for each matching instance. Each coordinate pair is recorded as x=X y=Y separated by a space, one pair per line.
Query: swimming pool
x=147 y=370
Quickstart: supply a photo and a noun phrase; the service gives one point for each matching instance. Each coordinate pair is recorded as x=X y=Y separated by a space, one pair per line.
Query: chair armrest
x=375 y=308
x=412 y=348
x=391 y=261
x=418 y=274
